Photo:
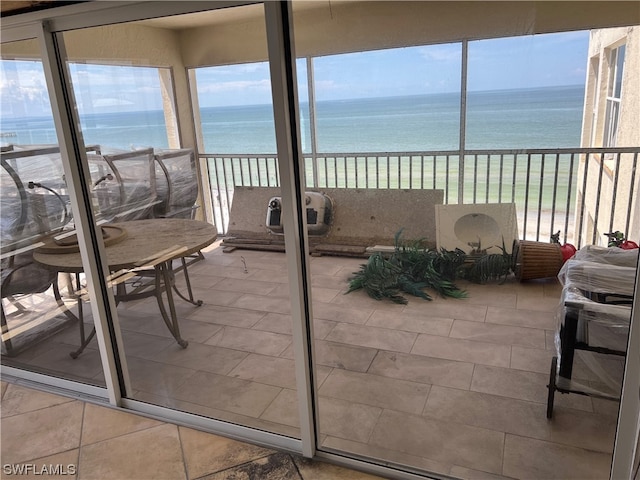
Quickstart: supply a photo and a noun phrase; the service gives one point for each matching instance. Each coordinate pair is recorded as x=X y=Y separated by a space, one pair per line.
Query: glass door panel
x=205 y=320
x=44 y=309
x=427 y=357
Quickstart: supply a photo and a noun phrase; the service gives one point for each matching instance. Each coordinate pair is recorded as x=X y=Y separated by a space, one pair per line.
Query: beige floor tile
x=535 y=459
x=218 y=414
x=268 y=264
x=217 y=272
x=531 y=359
x=102 y=423
x=220 y=315
x=360 y=300
x=212 y=297
x=254 y=341
x=470 y=474
x=377 y=391
x=419 y=368
x=608 y=408
x=278 y=466
x=203 y=280
x=509 y=286
x=444 y=442
x=279 y=372
x=17 y=399
x=283 y=409
x=324 y=266
x=522 y=385
x=68 y=336
x=385 y=454
x=325 y=295
x=41 y=433
x=373 y=337
x=500 y=334
x=156 y=377
x=61 y=466
x=225 y=393
x=58 y=362
x=462 y=350
x=328 y=281
x=338 y=418
x=329 y=354
x=3 y=388
x=317 y=470
x=278 y=323
x=531 y=288
x=262 y=304
x=341 y=313
x=194 y=331
x=353 y=421
x=152 y=454
x=521 y=318
x=196 y=356
x=143 y=346
x=206 y=453
x=542 y=304
x=245 y=285
x=537 y=360
x=449 y=308
x=281 y=277
x=491 y=295
x=411 y=322
x=151 y=324
x=528 y=419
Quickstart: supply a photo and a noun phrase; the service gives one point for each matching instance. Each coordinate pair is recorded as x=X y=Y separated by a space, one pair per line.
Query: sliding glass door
x=44 y=312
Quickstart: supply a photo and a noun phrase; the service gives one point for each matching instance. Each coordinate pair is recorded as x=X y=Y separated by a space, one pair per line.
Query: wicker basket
x=538 y=260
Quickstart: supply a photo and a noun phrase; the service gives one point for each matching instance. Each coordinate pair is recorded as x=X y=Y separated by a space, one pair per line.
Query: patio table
x=148 y=246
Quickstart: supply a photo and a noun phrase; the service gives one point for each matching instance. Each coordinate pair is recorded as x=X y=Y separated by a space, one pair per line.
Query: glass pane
x=619 y=71
x=206 y=323
x=401 y=99
x=526 y=92
x=42 y=306
x=112 y=109
x=434 y=339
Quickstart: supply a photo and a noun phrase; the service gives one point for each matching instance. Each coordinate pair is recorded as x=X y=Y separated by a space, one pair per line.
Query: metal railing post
x=463 y=120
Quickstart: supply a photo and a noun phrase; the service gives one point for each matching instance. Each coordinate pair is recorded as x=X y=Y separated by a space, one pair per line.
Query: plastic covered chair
x=593 y=316
x=34 y=205
x=176 y=183
x=124 y=185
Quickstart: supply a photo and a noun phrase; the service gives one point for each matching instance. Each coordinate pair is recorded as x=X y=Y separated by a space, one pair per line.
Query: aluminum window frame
x=44 y=26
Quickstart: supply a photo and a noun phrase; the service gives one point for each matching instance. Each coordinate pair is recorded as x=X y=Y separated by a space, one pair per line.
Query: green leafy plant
x=493 y=266
x=410 y=269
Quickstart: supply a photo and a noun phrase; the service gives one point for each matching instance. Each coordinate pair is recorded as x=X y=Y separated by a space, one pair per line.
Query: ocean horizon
x=549 y=117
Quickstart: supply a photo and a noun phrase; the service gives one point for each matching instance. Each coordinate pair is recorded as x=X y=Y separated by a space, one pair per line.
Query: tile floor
x=44 y=432
x=457 y=387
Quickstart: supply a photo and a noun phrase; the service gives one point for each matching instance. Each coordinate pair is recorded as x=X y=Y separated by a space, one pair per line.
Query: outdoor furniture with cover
x=593 y=318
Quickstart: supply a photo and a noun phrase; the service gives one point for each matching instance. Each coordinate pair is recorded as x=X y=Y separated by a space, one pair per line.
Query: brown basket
x=538 y=260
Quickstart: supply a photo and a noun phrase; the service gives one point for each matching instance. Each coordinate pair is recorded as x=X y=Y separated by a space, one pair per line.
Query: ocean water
x=532 y=118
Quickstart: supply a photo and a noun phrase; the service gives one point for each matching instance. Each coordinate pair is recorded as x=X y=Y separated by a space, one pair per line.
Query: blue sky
x=517 y=62
x=497 y=64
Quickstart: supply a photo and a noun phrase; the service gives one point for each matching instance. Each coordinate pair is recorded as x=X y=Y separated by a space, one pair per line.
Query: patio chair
x=177 y=186
x=594 y=316
x=176 y=183
x=33 y=207
x=124 y=185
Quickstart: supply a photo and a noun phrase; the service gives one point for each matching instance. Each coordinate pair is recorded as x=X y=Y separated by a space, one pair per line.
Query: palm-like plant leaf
x=410 y=269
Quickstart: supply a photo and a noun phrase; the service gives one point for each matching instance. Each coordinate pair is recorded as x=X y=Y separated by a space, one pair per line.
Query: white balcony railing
x=583 y=192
